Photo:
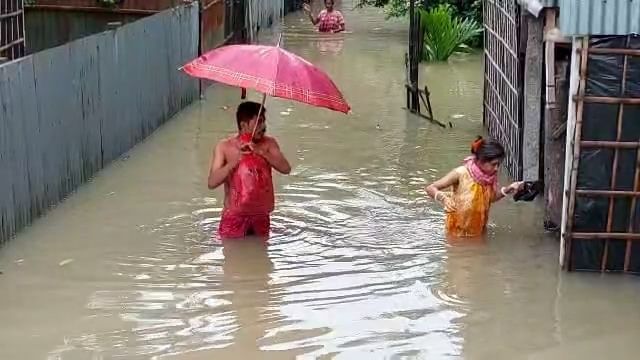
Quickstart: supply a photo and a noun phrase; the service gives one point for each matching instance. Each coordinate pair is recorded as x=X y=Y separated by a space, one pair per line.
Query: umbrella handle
x=255 y=126
x=264 y=99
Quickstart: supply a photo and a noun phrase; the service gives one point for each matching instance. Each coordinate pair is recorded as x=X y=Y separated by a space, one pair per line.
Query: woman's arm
x=314 y=19
x=434 y=190
x=507 y=190
x=340 y=21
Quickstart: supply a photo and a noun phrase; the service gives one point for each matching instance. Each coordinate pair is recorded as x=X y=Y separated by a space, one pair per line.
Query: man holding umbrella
x=243 y=163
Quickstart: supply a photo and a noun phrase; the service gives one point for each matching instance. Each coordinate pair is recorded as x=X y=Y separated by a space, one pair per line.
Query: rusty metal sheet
x=212 y=28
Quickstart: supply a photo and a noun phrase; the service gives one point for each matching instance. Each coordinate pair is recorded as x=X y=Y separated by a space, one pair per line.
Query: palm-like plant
x=446 y=34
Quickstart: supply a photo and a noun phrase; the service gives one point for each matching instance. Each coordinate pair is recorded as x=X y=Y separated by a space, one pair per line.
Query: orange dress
x=472 y=201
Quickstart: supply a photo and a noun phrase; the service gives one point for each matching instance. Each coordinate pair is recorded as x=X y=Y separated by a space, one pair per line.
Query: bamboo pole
x=616 y=159
x=608 y=193
x=11 y=14
x=604 y=235
x=632 y=215
x=569 y=143
x=11 y=44
x=609 y=144
x=552 y=169
x=501 y=102
x=549 y=54
x=608 y=100
x=612 y=51
x=574 y=131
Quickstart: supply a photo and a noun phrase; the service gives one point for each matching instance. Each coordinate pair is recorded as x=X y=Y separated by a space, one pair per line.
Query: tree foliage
x=445 y=34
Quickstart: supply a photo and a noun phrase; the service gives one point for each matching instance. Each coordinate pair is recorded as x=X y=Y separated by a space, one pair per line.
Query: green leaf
x=446 y=34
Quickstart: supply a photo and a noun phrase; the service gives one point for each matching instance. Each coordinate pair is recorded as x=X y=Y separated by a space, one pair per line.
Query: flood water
x=357 y=267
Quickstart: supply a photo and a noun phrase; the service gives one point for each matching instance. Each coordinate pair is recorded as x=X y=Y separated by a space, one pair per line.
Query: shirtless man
x=244 y=166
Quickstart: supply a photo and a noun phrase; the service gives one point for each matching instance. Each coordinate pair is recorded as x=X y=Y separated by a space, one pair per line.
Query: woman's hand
x=449 y=204
x=514 y=187
x=433 y=190
x=306 y=8
x=446 y=201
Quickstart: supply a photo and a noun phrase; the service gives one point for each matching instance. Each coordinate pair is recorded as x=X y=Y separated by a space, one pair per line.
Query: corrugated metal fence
x=597 y=17
x=212 y=23
x=262 y=14
x=68 y=111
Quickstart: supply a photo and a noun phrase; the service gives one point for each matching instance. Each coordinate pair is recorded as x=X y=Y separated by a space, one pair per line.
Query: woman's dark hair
x=487 y=150
x=247 y=111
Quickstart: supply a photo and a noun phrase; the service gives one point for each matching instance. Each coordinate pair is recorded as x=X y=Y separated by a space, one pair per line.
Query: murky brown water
x=357 y=267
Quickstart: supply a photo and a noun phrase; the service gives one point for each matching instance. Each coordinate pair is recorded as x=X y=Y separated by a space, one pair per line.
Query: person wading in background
x=328 y=20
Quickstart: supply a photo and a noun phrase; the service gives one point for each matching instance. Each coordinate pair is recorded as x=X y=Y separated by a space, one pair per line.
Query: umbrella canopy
x=270 y=70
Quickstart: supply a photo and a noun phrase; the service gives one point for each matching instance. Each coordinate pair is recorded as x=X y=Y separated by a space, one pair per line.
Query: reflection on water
x=333 y=47
x=357 y=267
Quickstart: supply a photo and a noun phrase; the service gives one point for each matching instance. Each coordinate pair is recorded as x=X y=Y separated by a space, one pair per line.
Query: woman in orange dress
x=474 y=188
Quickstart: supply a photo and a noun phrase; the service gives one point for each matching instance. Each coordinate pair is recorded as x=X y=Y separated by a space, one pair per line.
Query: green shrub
x=446 y=34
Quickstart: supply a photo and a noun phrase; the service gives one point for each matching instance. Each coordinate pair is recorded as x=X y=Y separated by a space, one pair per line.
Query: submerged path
x=357 y=267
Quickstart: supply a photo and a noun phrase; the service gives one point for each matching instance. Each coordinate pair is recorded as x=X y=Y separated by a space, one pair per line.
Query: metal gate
x=601 y=225
x=11 y=29
x=502 y=114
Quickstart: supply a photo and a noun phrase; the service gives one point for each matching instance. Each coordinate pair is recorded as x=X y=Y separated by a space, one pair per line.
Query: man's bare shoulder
x=227 y=142
x=271 y=141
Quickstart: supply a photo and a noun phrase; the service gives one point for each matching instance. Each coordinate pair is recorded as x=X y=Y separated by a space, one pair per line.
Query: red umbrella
x=270 y=70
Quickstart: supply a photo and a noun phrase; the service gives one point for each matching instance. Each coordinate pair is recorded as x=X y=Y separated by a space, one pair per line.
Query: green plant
x=400 y=8
x=397 y=8
x=376 y=3
x=445 y=33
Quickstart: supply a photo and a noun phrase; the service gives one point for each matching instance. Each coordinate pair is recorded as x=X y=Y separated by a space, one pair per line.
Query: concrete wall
x=68 y=111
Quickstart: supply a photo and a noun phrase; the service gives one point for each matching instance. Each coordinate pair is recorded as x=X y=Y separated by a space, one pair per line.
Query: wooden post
x=414 y=28
x=532 y=104
x=574 y=82
x=614 y=170
x=554 y=147
x=555 y=114
x=574 y=134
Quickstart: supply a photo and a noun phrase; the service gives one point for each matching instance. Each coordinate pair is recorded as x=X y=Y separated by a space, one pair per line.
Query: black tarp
x=604 y=79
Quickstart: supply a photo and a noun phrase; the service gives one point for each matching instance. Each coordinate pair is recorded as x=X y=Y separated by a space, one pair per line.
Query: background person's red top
x=330 y=21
